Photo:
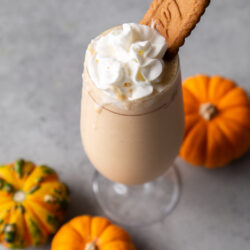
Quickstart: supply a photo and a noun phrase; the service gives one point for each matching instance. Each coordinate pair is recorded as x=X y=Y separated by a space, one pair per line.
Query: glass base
x=138 y=205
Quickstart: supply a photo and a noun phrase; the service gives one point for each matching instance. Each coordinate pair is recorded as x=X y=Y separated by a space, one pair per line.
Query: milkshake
x=132 y=118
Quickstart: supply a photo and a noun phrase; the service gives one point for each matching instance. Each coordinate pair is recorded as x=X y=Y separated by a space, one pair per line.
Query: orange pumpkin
x=91 y=233
x=217 y=116
x=32 y=204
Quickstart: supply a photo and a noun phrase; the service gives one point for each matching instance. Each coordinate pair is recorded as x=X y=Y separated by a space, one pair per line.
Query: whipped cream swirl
x=127 y=62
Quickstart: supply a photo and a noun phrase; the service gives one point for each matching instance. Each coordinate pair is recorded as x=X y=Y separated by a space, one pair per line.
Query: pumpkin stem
x=90 y=246
x=208 y=111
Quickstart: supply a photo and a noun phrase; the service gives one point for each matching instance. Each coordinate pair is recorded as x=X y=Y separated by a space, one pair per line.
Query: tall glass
x=133 y=144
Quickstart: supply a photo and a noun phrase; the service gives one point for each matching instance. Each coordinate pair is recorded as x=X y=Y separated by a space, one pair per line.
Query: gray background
x=42 y=46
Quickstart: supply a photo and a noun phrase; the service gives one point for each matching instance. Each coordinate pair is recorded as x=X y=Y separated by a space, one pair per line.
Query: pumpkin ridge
x=221 y=81
x=245 y=142
x=17 y=179
x=72 y=223
x=104 y=229
x=52 y=227
x=224 y=135
x=104 y=232
x=235 y=89
x=191 y=93
x=6 y=216
x=39 y=203
x=94 y=220
x=28 y=181
x=8 y=199
x=28 y=233
x=227 y=108
x=229 y=138
x=235 y=108
x=190 y=121
x=60 y=239
x=205 y=144
x=203 y=81
x=89 y=227
x=90 y=223
x=194 y=127
x=191 y=108
x=189 y=152
x=50 y=202
x=128 y=240
x=49 y=181
x=45 y=191
x=9 y=213
x=25 y=229
x=38 y=220
x=226 y=139
x=38 y=233
x=199 y=83
x=244 y=147
x=27 y=189
x=78 y=233
x=20 y=180
x=7 y=179
x=43 y=184
x=6 y=210
x=237 y=122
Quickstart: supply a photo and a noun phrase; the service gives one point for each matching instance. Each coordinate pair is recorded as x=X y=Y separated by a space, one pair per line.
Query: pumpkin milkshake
x=132 y=119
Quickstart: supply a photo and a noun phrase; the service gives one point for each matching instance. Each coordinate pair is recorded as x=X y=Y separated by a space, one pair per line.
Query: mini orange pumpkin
x=217 y=117
x=91 y=233
x=32 y=203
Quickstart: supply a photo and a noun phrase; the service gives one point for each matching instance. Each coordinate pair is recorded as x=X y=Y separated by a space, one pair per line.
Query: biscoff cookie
x=174 y=19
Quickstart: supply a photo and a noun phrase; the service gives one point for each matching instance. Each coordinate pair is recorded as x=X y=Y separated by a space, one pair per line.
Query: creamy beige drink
x=132 y=120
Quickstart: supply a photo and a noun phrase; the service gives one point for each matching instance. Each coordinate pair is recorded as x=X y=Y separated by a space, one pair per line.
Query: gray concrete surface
x=42 y=45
